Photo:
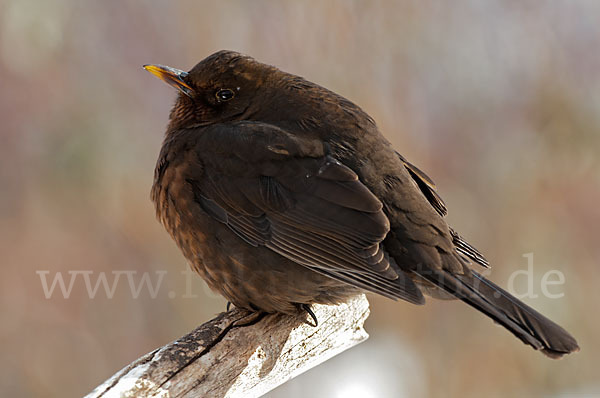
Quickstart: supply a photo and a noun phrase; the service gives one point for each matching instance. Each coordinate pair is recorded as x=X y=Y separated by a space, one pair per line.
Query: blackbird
x=282 y=194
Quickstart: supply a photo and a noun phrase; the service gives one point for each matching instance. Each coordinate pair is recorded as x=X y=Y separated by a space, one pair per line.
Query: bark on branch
x=238 y=354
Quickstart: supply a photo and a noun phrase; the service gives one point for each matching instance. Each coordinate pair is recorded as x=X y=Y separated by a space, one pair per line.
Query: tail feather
x=524 y=322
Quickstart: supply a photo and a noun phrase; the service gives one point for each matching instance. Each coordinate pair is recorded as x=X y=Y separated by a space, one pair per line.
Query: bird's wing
x=428 y=188
x=284 y=192
x=426 y=185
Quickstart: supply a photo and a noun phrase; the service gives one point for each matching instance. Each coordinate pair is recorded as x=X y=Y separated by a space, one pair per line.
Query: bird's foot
x=307 y=308
x=249 y=319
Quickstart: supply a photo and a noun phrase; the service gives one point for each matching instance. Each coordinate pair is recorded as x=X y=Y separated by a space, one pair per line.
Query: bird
x=282 y=194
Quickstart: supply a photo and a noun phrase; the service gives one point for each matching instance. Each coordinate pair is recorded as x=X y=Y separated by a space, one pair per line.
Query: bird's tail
x=523 y=321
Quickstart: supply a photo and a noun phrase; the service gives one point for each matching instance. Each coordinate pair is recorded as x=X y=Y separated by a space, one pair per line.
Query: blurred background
x=498 y=101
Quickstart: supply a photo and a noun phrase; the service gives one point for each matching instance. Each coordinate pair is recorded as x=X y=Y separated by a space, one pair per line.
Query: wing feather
x=286 y=193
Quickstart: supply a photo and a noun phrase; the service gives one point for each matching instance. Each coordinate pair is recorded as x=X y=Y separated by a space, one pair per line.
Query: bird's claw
x=307 y=308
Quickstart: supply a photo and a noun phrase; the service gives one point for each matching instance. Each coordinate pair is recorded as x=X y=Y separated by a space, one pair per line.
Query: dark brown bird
x=282 y=194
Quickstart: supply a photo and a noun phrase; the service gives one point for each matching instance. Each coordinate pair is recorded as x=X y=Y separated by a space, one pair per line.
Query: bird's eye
x=225 y=94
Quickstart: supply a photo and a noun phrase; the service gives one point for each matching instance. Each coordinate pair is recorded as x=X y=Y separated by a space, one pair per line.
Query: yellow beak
x=173 y=77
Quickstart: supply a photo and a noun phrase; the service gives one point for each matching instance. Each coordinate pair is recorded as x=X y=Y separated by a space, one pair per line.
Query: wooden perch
x=238 y=354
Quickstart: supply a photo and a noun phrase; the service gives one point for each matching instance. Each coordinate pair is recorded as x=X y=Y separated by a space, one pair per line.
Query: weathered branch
x=238 y=354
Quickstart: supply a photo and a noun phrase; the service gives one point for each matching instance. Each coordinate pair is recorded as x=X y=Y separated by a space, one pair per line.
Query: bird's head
x=219 y=88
